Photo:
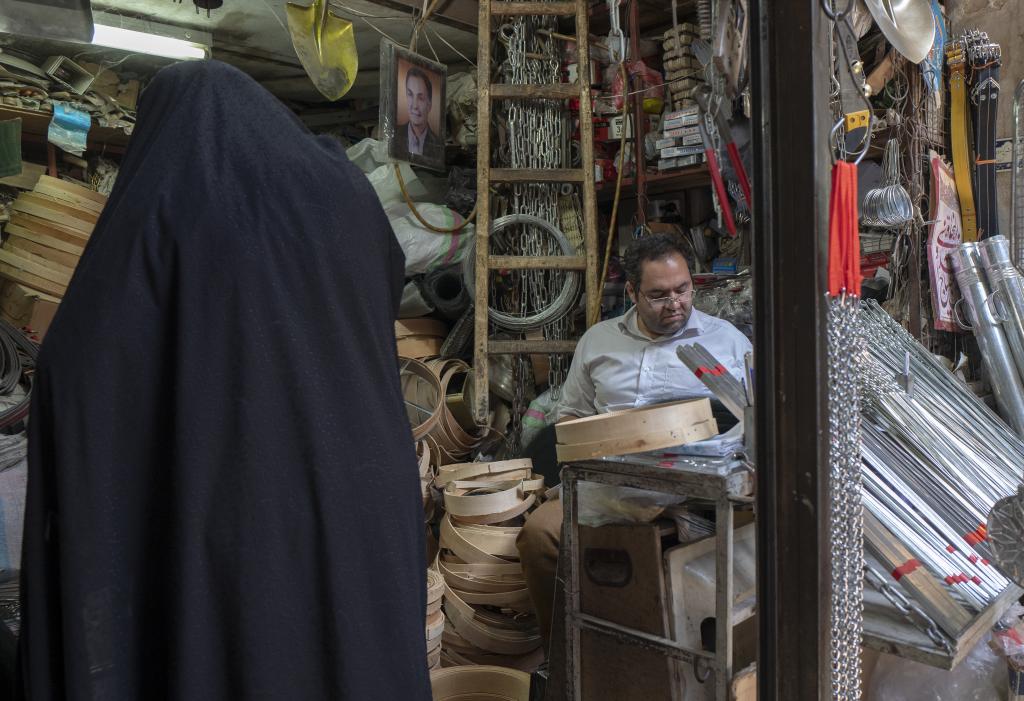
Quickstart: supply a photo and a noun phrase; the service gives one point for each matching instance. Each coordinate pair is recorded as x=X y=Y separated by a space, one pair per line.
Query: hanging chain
x=538 y=138
x=909 y=608
x=846 y=523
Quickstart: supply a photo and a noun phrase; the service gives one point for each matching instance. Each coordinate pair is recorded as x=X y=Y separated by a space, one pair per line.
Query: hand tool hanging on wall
x=985 y=58
x=716 y=173
x=702 y=96
x=325 y=45
x=730 y=49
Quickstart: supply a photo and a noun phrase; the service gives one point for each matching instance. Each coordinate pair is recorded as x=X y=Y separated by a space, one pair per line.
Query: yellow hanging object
x=326 y=47
x=961 y=150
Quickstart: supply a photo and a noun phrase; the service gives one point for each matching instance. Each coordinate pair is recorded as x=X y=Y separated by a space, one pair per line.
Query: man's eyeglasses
x=683 y=297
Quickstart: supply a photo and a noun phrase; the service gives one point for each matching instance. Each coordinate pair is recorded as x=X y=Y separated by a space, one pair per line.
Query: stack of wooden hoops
x=438 y=398
x=435 y=618
x=489 y=615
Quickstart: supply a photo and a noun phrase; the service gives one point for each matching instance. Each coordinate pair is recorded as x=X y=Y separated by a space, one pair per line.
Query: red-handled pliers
x=730 y=146
x=716 y=178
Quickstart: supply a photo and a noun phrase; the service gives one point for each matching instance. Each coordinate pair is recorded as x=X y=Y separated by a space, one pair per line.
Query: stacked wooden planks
x=48 y=230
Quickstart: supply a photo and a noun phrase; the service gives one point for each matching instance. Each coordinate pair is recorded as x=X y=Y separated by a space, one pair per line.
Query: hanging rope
x=595 y=315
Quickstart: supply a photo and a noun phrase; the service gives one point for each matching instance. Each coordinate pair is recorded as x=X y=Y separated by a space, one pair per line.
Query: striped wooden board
x=47 y=228
x=71 y=194
x=36 y=265
x=29 y=280
x=69 y=260
x=54 y=211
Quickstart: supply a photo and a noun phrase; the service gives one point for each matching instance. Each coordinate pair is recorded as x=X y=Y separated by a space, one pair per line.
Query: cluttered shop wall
x=1004 y=23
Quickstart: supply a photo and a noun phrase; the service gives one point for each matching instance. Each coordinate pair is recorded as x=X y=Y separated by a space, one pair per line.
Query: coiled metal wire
x=17 y=363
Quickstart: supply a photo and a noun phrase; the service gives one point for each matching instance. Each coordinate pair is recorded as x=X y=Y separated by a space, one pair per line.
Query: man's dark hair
x=415 y=72
x=650 y=247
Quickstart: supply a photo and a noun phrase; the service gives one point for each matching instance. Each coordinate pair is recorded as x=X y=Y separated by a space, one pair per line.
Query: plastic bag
x=981 y=676
x=462 y=107
x=427 y=250
x=541 y=413
x=603 y=504
x=1008 y=637
x=413 y=304
x=69 y=128
x=371 y=157
x=650 y=80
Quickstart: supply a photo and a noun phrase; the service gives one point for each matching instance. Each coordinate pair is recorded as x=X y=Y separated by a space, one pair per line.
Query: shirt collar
x=413 y=139
x=628 y=324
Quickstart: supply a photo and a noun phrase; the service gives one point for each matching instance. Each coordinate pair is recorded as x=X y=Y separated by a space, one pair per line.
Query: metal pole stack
x=935 y=460
x=996 y=354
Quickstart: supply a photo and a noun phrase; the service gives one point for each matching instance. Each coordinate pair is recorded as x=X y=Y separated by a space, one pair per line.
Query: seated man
x=629 y=362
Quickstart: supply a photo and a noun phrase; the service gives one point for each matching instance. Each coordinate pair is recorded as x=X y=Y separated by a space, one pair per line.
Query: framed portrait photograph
x=412 y=106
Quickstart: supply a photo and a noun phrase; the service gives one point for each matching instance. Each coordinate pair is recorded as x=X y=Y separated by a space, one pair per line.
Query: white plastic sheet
x=982 y=676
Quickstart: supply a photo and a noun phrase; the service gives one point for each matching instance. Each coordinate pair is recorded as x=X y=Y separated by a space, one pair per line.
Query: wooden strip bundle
x=435 y=620
x=636 y=430
x=449 y=441
x=473 y=683
x=47 y=233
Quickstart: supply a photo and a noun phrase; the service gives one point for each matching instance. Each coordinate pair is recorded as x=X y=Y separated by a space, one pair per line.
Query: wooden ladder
x=484 y=347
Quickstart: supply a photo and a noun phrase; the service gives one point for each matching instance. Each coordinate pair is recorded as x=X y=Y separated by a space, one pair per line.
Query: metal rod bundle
x=715 y=377
x=935 y=459
x=988 y=330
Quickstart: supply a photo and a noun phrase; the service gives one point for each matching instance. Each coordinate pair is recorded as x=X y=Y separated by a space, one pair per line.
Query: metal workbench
x=722 y=481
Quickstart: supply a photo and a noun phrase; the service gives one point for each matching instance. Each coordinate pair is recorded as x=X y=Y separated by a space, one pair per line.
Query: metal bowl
x=907 y=24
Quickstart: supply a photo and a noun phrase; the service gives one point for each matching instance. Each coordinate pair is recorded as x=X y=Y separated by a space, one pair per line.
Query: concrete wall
x=1004 y=22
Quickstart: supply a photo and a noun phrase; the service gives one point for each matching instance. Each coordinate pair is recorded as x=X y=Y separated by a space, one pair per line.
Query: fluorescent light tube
x=147 y=43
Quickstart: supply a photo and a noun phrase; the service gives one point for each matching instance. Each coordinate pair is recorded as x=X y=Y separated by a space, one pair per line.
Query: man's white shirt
x=616 y=366
x=416 y=142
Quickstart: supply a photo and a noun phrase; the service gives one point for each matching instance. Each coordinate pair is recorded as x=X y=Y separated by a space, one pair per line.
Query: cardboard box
x=26 y=308
x=679 y=151
x=682 y=132
x=677 y=141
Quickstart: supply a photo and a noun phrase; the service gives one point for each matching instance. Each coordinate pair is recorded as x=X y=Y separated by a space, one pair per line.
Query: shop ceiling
x=252 y=35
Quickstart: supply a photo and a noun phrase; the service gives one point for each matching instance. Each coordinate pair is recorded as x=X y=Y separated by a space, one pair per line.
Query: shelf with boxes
x=35 y=125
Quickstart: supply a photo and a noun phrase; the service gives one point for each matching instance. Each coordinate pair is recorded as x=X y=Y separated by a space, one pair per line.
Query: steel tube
x=995 y=349
x=1006 y=282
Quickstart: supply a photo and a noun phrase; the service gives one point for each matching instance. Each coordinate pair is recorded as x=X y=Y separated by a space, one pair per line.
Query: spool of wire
x=17 y=362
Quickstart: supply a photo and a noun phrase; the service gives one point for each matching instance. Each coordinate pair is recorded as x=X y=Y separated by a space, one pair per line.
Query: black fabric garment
x=8 y=661
x=223 y=497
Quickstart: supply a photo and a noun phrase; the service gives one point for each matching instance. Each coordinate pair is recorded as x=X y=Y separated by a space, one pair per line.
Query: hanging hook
x=866 y=141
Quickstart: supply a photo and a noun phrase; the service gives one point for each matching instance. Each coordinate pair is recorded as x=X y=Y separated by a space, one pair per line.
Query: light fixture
x=138 y=36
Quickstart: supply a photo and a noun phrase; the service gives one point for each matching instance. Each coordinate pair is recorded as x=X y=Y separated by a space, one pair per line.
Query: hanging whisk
x=888 y=206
